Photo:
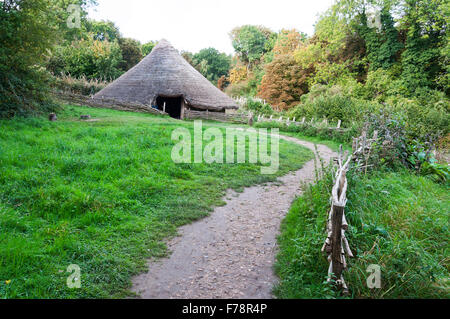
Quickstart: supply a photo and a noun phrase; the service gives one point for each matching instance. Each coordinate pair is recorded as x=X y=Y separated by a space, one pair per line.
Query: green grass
x=103 y=195
x=397 y=220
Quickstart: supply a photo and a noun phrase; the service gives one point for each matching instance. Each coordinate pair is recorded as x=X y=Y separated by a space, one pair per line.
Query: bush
x=258 y=107
x=334 y=108
x=238 y=89
x=340 y=136
x=397 y=147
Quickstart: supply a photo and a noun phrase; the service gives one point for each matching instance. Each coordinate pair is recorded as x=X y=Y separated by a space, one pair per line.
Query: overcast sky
x=192 y=25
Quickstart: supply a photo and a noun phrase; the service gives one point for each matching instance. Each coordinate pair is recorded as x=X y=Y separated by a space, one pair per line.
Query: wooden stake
x=336 y=246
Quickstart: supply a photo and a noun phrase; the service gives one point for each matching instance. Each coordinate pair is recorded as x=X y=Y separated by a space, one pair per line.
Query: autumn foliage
x=284 y=82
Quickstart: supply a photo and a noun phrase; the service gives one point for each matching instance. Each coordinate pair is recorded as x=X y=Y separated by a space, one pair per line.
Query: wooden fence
x=336 y=245
x=312 y=123
x=105 y=103
x=217 y=116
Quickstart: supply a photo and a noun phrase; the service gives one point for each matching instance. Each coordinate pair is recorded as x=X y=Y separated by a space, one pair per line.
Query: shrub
x=334 y=108
x=238 y=89
x=340 y=136
x=258 y=107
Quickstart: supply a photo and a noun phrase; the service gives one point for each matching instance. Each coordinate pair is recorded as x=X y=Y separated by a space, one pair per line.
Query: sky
x=192 y=25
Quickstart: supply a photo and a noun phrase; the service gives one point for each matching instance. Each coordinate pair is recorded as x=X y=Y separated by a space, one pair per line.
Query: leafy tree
x=27 y=33
x=62 y=14
x=426 y=27
x=103 y=30
x=131 y=53
x=212 y=64
x=148 y=47
x=93 y=59
x=222 y=82
x=238 y=74
x=188 y=56
x=251 y=42
x=284 y=82
x=382 y=45
x=288 y=41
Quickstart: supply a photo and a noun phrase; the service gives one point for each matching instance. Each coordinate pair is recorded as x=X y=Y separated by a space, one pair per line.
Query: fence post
x=339 y=124
x=337 y=264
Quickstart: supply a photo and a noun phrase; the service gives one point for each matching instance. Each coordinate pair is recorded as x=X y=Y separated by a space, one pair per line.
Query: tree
x=62 y=13
x=27 y=34
x=426 y=26
x=148 y=47
x=131 y=53
x=288 y=41
x=251 y=42
x=91 y=58
x=103 y=30
x=284 y=82
x=188 y=56
x=238 y=74
x=222 y=82
x=382 y=43
x=212 y=64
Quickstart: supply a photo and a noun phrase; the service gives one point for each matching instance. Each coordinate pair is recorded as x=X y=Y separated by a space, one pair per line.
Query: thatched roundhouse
x=165 y=80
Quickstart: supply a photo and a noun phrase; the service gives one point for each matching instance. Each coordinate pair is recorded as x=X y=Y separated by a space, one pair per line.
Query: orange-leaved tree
x=288 y=41
x=284 y=82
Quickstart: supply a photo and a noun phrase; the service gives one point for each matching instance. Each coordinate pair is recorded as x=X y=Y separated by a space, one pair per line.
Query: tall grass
x=397 y=220
x=80 y=85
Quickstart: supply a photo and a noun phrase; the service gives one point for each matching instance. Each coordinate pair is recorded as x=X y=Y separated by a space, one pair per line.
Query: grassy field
x=397 y=220
x=103 y=195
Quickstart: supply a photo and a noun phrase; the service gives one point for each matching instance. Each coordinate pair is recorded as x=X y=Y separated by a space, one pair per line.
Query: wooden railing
x=217 y=116
x=336 y=245
x=293 y=121
x=105 y=103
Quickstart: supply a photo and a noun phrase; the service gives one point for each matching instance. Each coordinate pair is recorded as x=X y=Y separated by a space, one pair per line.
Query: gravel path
x=229 y=254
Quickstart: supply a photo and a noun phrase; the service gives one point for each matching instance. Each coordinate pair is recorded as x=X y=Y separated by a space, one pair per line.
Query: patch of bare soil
x=229 y=254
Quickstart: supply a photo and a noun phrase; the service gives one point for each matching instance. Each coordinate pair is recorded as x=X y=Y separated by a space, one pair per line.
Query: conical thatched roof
x=164 y=72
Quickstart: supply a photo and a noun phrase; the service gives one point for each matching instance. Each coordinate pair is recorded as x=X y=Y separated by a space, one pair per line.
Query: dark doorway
x=172 y=107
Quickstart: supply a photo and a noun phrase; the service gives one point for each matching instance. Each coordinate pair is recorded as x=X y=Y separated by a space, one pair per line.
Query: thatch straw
x=164 y=72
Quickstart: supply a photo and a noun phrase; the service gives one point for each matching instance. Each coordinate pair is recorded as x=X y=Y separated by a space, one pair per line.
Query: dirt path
x=231 y=253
